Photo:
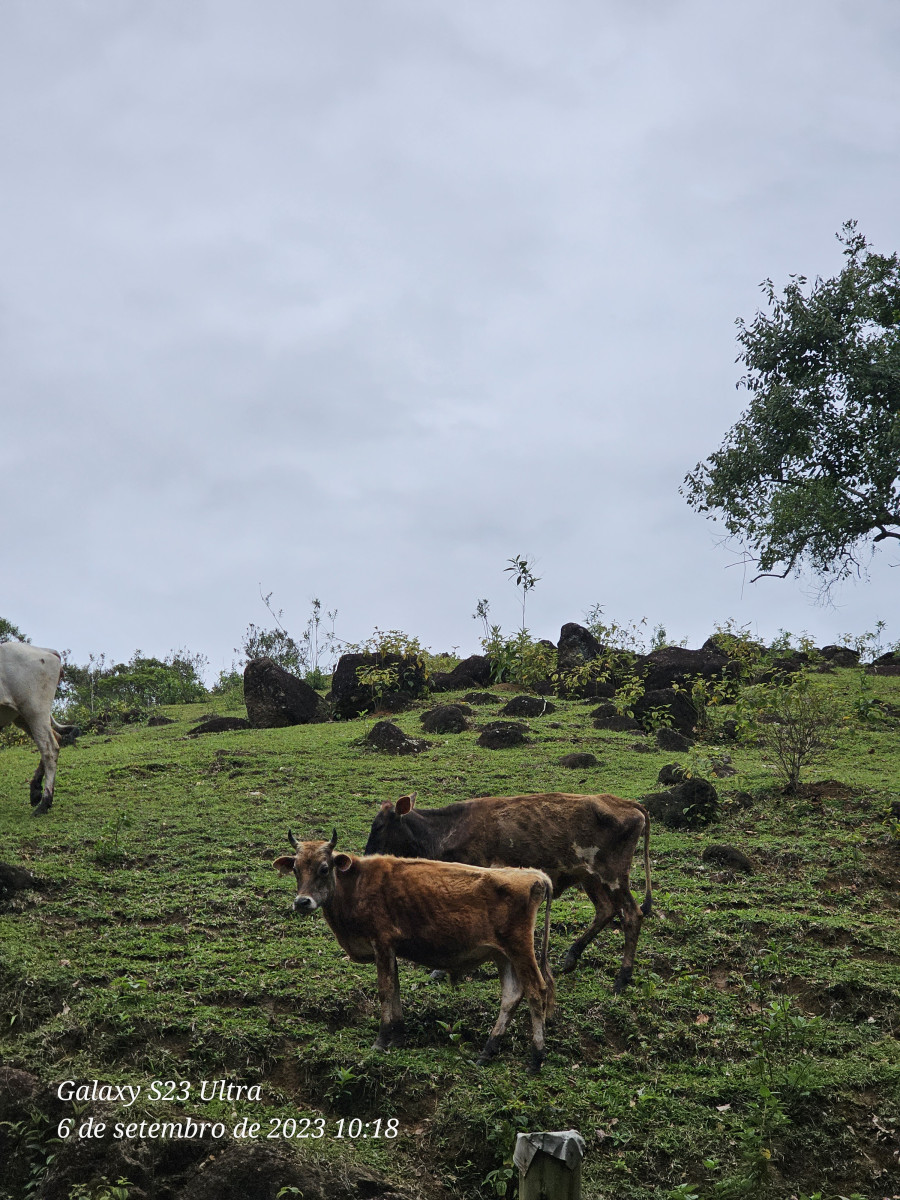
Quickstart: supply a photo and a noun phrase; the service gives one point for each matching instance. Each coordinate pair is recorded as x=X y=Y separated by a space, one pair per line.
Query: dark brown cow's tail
x=647 y=906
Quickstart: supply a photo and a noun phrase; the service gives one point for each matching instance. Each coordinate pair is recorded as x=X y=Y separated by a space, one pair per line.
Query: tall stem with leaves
x=521 y=570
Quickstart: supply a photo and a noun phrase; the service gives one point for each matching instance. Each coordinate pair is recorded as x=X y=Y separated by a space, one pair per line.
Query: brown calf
x=443 y=915
x=584 y=840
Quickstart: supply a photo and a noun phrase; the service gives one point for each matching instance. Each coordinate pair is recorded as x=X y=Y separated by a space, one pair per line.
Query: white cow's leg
x=41 y=799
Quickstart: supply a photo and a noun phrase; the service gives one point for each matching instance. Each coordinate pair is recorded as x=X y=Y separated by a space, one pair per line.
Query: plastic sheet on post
x=565 y=1144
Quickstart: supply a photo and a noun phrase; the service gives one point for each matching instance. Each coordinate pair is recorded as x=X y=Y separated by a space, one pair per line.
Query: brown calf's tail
x=647 y=906
x=545 y=960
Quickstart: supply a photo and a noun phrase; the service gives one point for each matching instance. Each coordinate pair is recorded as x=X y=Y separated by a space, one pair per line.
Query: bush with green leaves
x=796 y=722
x=10 y=632
x=140 y=683
x=518 y=658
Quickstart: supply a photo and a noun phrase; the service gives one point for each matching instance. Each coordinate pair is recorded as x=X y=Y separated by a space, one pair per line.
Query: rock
x=840 y=656
x=18 y=879
x=786 y=664
x=159 y=720
x=578 y=761
x=275 y=698
x=617 y=723
x=671 y=740
x=527 y=706
x=675 y=664
x=730 y=730
x=728 y=856
x=590 y=689
x=349 y=697
x=674 y=707
x=390 y=739
x=474 y=671
x=670 y=774
x=395 y=702
x=17 y=1088
x=481 y=698
x=500 y=735
x=885 y=664
x=576 y=646
x=446 y=718
x=642 y=748
x=689 y=805
x=219 y=725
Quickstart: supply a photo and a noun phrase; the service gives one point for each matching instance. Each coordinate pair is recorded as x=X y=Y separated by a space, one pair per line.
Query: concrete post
x=549 y=1165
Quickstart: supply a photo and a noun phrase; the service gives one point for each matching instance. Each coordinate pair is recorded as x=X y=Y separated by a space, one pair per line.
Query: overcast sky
x=358 y=300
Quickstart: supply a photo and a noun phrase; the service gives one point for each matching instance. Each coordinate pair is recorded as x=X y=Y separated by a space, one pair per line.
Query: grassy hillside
x=758 y=1052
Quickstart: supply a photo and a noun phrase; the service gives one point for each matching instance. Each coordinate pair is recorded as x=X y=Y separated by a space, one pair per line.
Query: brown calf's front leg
x=391 y=1030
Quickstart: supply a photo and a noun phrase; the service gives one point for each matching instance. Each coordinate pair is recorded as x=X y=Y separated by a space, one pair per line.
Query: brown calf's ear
x=284 y=865
x=405 y=804
x=343 y=862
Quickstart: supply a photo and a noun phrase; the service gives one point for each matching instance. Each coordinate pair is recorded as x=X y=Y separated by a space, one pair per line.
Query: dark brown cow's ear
x=343 y=862
x=405 y=804
x=284 y=865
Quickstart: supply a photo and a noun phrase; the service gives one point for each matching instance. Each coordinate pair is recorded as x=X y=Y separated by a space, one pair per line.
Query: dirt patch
x=825 y=789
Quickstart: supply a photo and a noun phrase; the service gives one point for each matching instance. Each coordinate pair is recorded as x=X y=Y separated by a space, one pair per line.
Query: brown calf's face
x=313 y=867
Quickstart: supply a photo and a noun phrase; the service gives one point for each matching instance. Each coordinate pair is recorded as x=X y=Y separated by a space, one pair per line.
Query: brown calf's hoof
x=570 y=962
x=622 y=980
x=536 y=1061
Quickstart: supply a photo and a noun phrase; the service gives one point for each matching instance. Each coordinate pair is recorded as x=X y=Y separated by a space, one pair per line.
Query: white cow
x=29 y=677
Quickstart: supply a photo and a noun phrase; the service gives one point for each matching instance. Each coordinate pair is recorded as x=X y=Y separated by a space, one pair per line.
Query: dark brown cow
x=584 y=840
x=442 y=915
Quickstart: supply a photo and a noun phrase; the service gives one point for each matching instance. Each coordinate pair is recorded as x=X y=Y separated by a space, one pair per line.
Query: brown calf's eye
x=323 y=869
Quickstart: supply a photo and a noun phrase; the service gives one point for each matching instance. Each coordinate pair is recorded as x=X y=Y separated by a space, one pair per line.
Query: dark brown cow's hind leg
x=604 y=910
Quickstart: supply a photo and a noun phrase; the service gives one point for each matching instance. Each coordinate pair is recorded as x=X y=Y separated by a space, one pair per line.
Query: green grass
x=164 y=948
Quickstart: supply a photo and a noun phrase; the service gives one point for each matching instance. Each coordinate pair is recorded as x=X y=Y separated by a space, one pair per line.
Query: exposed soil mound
x=500 y=735
x=527 y=706
x=576 y=761
x=390 y=739
x=219 y=725
x=446 y=718
x=728 y=856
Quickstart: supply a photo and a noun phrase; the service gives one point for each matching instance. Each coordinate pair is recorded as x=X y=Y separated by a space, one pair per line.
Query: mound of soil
x=500 y=735
x=390 y=739
x=446 y=718
x=672 y=741
x=481 y=698
x=219 y=725
x=728 y=856
x=527 y=706
x=576 y=761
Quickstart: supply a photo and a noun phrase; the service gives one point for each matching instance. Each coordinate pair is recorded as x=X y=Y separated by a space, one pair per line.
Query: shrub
x=800 y=724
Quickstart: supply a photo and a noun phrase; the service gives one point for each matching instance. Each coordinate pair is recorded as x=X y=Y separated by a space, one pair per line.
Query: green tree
x=10 y=632
x=810 y=474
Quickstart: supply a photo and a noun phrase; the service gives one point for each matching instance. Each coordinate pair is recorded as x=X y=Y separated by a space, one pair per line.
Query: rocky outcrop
x=576 y=646
x=691 y=804
x=675 y=664
x=275 y=698
x=665 y=704
x=350 y=697
x=474 y=671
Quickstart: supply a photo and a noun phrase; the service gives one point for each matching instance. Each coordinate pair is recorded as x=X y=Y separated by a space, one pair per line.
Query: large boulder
x=665 y=704
x=350 y=697
x=675 y=664
x=576 y=646
x=689 y=805
x=474 y=671
x=840 y=656
x=275 y=698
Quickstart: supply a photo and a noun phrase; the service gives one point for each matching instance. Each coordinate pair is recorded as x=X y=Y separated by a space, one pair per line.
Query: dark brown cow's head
x=313 y=867
x=398 y=830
